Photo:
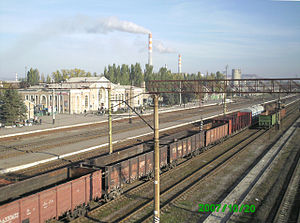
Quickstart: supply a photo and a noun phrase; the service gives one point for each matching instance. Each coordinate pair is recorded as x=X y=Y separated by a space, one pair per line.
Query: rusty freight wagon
x=67 y=199
x=185 y=147
x=236 y=121
x=116 y=175
x=215 y=134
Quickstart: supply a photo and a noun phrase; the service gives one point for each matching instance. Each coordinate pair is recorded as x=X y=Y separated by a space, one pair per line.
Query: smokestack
x=150 y=49
x=179 y=64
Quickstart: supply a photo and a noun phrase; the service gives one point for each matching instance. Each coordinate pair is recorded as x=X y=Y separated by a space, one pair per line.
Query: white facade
x=236 y=74
x=83 y=94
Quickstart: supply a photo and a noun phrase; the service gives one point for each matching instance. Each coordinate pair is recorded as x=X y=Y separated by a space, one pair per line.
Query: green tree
x=33 y=77
x=148 y=72
x=12 y=107
x=110 y=74
x=57 y=76
x=138 y=75
x=131 y=74
x=220 y=75
x=117 y=75
x=43 y=78
x=125 y=73
x=65 y=74
x=48 y=80
x=105 y=72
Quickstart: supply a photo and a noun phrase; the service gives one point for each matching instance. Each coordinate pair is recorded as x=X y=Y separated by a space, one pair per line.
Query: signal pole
x=156 y=162
x=109 y=122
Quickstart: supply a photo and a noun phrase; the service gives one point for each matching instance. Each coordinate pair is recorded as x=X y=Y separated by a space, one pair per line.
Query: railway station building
x=83 y=94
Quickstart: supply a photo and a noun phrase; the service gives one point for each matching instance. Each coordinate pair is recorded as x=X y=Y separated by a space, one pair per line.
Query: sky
x=260 y=37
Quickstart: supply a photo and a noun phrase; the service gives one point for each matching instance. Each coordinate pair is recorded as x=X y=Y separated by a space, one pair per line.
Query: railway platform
x=76 y=120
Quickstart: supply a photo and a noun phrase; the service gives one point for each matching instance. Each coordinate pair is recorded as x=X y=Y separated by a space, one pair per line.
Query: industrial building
x=236 y=74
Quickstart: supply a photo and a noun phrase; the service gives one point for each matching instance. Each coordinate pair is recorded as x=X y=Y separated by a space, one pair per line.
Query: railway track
x=88 y=135
x=141 y=196
x=241 y=188
x=42 y=168
x=289 y=198
x=12 y=149
x=182 y=188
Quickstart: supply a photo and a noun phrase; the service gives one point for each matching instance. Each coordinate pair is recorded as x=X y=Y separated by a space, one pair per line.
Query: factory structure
x=150 y=50
x=179 y=64
x=236 y=74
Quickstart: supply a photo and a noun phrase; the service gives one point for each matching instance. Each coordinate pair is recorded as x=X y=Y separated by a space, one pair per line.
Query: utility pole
x=278 y=113
x=53 y=100
x=130 y=103
x=226 y=71
x=180 y=99
x=29 y=110
x=109 y=122
x=224 y=105
x=156 y=162
x=25 y=73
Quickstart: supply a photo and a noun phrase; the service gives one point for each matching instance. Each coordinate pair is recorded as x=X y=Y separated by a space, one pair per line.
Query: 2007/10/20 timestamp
x=222 y=208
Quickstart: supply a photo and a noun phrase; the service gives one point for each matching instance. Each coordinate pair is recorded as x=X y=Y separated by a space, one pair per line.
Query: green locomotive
x=269 y=119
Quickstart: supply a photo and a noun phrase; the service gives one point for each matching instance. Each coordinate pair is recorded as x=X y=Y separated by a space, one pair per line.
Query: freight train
x=105 y=182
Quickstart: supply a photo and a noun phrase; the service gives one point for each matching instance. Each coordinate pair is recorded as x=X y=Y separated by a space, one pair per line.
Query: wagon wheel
x=80 y=211
x=84 y=211
x=69 y=216
x=175 y=162
x=106 y=198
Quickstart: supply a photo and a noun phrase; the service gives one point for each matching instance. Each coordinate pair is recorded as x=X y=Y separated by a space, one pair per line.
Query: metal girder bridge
x=241 y=86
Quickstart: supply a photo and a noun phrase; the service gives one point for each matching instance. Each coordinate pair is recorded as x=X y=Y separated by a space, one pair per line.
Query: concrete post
x=180 y=97
x=224 y=105
x=156 y=162
x=130 y=103
x=109 y=122
x=53 y=104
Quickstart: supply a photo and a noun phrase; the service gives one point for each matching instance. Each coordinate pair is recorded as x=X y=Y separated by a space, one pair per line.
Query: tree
x=110 y=74
x=105 y=72
x=148 y=72
x=57 y=76
x=12 y=107
x=131 y=74
x=48 y=80
x=220 y=75
x=95 y=74
x=138 y=75
x=125 y=75
x=43 y=78
x=33 y=77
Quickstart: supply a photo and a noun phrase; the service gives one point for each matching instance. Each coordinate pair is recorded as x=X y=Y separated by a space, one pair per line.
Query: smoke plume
x=159 y=47
x=103 y=25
